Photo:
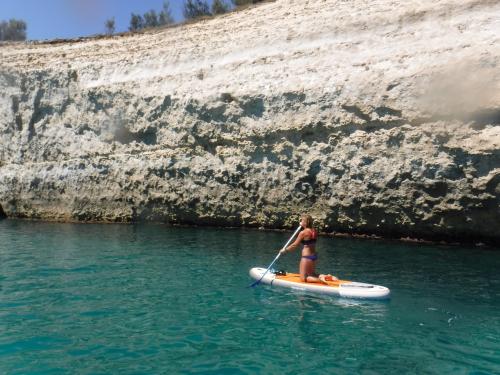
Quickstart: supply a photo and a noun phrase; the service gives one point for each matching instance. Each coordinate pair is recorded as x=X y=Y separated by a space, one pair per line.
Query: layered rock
x=376 y=117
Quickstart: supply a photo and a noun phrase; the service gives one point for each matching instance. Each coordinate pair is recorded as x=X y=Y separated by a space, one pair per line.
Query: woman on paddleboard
x=308 y=237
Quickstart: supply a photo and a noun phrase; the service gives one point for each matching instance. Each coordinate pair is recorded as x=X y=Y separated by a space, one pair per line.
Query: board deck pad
x=295 y=278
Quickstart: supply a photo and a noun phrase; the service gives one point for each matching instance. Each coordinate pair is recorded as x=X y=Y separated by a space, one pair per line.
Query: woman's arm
x=296 y=242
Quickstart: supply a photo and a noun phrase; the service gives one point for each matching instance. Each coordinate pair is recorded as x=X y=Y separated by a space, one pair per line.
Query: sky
x=59 y=19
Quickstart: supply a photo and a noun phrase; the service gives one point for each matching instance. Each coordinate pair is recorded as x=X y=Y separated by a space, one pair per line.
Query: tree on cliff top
x=165 y=17
x=136 y=22
x=151 y=18
x=219 y=7
x=110 y=26
x=13 y=30
x=196 y=8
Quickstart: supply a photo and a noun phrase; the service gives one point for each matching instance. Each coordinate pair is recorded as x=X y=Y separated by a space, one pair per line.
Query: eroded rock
x=375 y=119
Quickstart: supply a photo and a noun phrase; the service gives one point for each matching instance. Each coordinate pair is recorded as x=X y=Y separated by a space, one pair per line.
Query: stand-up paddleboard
x=339 y=288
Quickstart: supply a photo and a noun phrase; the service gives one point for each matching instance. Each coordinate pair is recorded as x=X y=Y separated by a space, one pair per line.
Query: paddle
x=277 y=256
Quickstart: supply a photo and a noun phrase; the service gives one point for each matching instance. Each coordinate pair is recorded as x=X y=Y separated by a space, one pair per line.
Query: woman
x=308 y=237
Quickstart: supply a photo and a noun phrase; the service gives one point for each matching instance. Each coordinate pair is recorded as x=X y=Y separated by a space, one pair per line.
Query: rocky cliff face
x=374 y=116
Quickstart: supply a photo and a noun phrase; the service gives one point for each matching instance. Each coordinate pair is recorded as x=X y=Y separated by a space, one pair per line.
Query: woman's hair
x=308 y=220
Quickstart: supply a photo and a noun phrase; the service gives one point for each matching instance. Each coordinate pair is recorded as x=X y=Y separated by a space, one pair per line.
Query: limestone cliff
x=377 y=117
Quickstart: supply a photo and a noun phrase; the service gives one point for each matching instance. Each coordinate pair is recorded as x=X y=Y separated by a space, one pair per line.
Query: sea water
x=152 y=299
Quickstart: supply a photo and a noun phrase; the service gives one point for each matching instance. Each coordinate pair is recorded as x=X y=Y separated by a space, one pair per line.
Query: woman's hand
x=282 y=251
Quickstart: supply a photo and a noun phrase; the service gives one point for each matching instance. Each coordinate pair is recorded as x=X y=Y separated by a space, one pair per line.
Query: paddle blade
x=255 y=283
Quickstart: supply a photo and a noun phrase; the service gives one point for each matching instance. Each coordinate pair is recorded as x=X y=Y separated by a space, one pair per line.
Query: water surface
x=152 y=299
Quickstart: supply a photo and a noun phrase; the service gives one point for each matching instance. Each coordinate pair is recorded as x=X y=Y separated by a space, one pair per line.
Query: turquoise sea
x=152 y=299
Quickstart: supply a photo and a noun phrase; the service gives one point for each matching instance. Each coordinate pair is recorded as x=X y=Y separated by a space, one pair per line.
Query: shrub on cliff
x=245 y=2
x=151 y=18
x=13 y=30
x=165 y=17
x=136 y=22
x=195 y=9
x=219 y=7
x=110 y=26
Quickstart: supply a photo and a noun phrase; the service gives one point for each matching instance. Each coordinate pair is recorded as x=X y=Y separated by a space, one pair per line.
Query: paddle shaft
x=277 y=256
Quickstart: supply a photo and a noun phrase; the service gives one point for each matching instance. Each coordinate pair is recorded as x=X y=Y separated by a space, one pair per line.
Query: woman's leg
x=303 y=269
x=308 y=271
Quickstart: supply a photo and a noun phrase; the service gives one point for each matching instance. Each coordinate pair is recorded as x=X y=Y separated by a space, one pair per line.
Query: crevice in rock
x=386 y=111
x=369 y=124
x=316 y=132
x=357 y=112
x=147 y=136
x=479 y=119
x=252 y=106
x=436 y=189
x=17 y=116
x=294 y=97
x=372 y=126
x=15 y=104
x=485 y=117
x=101 y=100
x=493 y=185
x=66 y=103
x=161 y=109
x=226 y=97
x=483 y=164
x=2 y=213
x=38 y=113
x=215 y=113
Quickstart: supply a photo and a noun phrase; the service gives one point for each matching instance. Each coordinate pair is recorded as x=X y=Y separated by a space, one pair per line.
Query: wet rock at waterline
x=376 y=119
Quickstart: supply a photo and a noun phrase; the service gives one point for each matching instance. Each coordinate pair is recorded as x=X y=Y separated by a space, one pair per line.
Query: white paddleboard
x=339 y=288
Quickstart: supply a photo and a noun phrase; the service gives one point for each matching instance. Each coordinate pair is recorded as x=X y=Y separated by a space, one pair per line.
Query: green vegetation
x=199 y=8
x=165 y=16
x=13 y=30
x=152 y=19
x=110 y=26
x=192 y=9
x=195 y=9
x=220 y=7
x=136 y=22
x=245 y=2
